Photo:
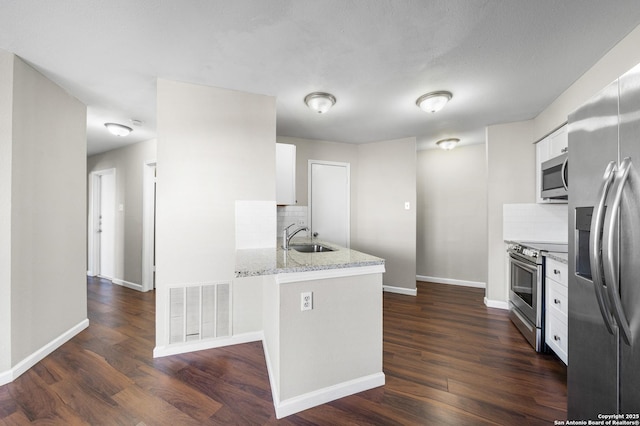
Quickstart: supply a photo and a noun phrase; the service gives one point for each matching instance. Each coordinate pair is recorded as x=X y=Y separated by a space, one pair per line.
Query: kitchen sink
x=310 y=248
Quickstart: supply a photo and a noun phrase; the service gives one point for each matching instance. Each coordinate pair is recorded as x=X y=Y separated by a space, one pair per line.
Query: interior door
x=149 y=226
x=106 y=224
x=329 y=201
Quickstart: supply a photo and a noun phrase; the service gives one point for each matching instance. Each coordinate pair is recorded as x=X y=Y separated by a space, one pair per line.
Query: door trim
x=309 y=204
x=148 y=223
x=93 y=243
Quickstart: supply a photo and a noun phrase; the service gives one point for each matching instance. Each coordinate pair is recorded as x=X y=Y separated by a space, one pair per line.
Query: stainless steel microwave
x=554 y=178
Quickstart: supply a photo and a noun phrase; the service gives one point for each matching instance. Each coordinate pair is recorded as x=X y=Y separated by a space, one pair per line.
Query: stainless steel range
x=526 y=288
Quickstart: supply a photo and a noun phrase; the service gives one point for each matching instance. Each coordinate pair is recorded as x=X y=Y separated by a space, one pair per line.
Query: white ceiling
x=504 y=60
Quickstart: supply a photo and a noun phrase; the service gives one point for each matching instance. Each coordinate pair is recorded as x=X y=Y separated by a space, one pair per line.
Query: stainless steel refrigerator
x=604 y=252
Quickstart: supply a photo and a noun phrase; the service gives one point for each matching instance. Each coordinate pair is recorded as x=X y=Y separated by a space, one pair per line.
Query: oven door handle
x=595 y=246
x=610 y=254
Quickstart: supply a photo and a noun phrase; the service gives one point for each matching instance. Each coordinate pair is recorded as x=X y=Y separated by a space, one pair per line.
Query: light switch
x=407 y=205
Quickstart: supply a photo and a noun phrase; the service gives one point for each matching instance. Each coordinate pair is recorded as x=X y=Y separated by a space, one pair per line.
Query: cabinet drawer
x=557 y=271
x=556 y=336
x=558 y=299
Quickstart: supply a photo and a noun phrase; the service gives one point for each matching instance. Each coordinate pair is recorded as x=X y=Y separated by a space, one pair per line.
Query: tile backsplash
x=291 y=214
x=535 y=222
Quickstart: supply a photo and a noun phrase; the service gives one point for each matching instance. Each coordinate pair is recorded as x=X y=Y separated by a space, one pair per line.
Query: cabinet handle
x=556 y=271
x=556 y=301
x=556 y=337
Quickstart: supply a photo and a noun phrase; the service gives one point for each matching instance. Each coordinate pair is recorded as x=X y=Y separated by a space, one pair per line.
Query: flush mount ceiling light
x=434 y=101
x=320 y=102
x=118 y=129
x=448 y=144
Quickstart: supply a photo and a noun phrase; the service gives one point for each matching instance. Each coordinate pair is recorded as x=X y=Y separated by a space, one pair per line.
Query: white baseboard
x=200 y=345
x=400 y=290
x=6 y=377
x=40 y=354
x=499 y=304
x=451 y=281
x=275 y=390
x=331 y=393
x=127 y=284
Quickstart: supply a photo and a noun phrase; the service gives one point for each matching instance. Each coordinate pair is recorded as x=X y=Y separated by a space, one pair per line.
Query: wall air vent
x=199 y=312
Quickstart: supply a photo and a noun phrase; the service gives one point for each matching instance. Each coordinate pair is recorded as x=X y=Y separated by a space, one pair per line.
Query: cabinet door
x=285 y=174
x=559 y=141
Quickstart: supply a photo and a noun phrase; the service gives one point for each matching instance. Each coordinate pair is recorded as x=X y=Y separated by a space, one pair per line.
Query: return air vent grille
x=199 y=312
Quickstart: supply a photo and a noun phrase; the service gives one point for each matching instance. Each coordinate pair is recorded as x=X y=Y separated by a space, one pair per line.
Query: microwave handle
x=563 y=173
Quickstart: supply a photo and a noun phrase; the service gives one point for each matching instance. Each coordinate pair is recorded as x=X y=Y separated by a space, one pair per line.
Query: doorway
x=149 y=226
x=329 y=201
x=102 y=223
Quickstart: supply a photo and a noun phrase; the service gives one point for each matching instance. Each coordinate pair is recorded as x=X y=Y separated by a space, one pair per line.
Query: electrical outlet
x=306 y=301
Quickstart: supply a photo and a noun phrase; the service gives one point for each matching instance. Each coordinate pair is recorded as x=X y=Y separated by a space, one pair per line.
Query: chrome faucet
x=286 y=236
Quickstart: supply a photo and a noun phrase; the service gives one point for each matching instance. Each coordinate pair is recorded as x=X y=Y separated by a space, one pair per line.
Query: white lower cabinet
x=557 y=305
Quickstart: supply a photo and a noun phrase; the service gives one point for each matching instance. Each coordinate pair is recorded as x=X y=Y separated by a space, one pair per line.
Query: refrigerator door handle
x=595 y=246
x=610 y=254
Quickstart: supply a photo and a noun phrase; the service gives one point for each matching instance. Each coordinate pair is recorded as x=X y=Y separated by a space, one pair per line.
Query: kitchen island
x=321 y=321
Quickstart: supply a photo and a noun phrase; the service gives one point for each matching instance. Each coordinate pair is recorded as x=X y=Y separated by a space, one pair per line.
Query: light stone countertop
x=560 y=257
x=276 y=260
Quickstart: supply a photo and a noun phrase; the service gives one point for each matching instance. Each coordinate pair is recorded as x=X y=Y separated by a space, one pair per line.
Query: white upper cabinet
x=285 y=174
x=558 y=142
x=550 y=147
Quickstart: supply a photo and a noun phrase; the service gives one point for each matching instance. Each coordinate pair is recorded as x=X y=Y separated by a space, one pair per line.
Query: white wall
x=129 y=164
x=46 y=281
x=510 y=179
x=6 y=145
x=335 y=341
x=452 y=215
x=386 y=180
x=621 y=58
x=215 y=146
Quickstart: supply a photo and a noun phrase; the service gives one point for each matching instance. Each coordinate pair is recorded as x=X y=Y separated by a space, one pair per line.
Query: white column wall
x=215 y=146
x=6 y=117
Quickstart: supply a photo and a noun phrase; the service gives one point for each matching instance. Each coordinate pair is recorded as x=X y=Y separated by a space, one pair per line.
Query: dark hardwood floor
x=448 y=360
